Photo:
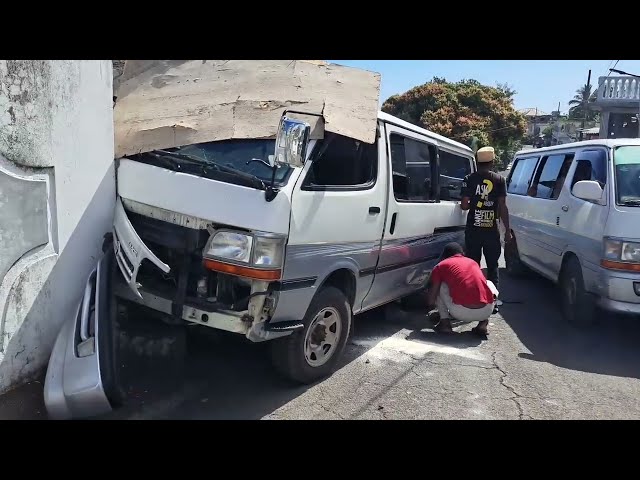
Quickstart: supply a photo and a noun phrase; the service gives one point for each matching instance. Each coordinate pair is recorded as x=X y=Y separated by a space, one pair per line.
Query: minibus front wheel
x=313 y=352
x=578 y=305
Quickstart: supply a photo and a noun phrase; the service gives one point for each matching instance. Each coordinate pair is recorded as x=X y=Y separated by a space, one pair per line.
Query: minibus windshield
x=626 y=163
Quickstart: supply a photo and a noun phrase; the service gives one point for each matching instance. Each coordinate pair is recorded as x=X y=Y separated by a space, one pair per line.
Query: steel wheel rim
x=323 y=336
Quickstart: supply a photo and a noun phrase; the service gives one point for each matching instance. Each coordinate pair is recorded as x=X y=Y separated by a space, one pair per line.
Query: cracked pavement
x=532 y=366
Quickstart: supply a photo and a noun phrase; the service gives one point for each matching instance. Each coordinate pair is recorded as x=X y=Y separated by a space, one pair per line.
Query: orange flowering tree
x=466 y=111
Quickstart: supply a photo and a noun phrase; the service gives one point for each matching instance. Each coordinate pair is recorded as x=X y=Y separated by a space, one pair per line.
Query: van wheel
x=515 y=267
x=313 y=352
x=578 y=306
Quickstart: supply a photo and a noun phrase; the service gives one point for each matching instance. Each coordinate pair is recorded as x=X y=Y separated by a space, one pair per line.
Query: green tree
x=467 y=111
x=578 y=105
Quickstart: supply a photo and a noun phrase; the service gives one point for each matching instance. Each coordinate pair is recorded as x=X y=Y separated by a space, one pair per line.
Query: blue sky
x=539 y=83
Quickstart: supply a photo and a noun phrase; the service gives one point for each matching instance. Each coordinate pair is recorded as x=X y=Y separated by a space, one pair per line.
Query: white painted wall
x=57 y=191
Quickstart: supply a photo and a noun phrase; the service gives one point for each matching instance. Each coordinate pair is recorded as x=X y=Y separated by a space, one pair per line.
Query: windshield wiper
x=205 y=166
x=170 y=160
x=633 y=203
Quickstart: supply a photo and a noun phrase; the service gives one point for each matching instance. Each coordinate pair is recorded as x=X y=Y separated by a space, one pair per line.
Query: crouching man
x=460 y=290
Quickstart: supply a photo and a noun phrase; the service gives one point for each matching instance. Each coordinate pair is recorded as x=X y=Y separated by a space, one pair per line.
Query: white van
x=285 y=247
x=575 y=216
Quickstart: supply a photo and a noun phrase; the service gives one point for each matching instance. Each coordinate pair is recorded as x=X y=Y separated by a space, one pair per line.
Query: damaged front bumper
x=130 y=250
x=81 y=376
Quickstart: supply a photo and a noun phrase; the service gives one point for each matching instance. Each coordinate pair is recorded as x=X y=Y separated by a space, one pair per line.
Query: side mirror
x=291 y=142
x=588 y=190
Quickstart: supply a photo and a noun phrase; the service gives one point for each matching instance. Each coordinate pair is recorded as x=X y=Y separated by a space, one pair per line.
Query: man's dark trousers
x=487 y=241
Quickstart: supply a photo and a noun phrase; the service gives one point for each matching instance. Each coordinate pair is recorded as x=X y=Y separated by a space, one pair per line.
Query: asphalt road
x=532 y=366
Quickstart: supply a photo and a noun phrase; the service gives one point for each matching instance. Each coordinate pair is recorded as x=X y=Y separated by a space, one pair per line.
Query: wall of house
x=605 y=117
x=57 y=191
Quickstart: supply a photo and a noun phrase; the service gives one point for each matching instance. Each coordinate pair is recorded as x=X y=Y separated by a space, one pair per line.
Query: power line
x=624 y=73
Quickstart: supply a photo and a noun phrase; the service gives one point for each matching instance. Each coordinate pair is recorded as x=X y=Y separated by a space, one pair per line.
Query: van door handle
x=393 y=223
x=565 y=208
x=374 y=210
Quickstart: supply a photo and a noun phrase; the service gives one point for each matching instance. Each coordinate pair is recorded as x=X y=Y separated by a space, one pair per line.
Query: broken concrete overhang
x=170 y=103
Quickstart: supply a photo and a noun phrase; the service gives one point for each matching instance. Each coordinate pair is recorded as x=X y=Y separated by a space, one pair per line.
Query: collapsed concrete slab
x=170 y=103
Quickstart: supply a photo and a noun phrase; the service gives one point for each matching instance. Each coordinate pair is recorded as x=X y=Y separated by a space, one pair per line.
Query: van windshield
x=232 y=161
x=626 y=161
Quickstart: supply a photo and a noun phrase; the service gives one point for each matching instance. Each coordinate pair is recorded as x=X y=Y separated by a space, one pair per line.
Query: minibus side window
x=453 y=169
x=412 y=169
x=340 y=163
x=521 y=173
x=591 y=165
x=551 y=176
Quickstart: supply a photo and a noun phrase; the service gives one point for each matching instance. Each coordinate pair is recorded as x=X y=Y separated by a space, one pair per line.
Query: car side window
x=551 y=176
x=342 y=162
x=453 y=169
x=521 y=173
x=412 y=169
x=591 y=165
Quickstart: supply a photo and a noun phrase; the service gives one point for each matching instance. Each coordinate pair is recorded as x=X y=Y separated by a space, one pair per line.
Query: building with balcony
x=618 y=101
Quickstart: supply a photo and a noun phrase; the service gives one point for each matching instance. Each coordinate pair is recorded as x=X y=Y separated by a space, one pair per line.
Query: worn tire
x=514 y=266
x=578 y=305
x=287 y=353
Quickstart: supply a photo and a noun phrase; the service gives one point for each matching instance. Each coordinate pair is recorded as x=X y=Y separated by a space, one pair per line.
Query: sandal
x=441 y=328
x=481 y=332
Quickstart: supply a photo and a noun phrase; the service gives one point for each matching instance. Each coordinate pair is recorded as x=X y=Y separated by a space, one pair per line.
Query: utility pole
x=535 y=121
x=586 y=105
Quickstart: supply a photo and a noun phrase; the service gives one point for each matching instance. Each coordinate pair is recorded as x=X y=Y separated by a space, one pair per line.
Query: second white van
x=575 y=216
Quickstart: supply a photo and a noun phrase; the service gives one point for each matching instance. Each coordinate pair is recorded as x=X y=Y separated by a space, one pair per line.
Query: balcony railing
x=618 y=90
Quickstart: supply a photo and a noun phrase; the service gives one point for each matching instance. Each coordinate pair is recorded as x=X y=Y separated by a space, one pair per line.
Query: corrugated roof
x=533 y=112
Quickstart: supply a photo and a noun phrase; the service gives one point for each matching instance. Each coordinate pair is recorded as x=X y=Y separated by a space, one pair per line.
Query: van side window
x=453 y=169
x=521 y=173
x=551 y=176
x=411 y=163
x=591 y=165
x=340 y=161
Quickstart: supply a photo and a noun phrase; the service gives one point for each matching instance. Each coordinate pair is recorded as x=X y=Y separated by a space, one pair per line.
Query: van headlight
x=268 y=251
x=232 y=246
x=256 y=255
x=621 y=255
x=621 y=250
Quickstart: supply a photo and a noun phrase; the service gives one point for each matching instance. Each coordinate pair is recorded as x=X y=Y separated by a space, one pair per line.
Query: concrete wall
x=605 y=115
x=57 y=191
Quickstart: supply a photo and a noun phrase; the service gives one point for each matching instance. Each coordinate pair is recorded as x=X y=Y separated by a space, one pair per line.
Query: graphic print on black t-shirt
x=483 y=190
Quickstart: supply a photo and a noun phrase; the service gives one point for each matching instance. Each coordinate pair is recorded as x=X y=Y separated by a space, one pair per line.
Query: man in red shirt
x=460 y=290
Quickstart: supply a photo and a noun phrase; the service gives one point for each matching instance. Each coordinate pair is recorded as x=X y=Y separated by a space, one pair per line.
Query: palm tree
x=584 y=95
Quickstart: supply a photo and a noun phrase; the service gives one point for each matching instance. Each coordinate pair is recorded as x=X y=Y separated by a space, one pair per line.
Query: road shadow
x=464 y=339
x=532 y=309
x=415 y=318
x=225 y=377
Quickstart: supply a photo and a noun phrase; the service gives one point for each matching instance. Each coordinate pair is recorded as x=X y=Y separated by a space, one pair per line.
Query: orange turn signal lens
x=248 y=272
x=629 y=267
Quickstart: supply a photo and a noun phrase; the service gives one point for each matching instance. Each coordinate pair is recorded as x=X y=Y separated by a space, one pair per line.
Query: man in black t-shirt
x=484 y=195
